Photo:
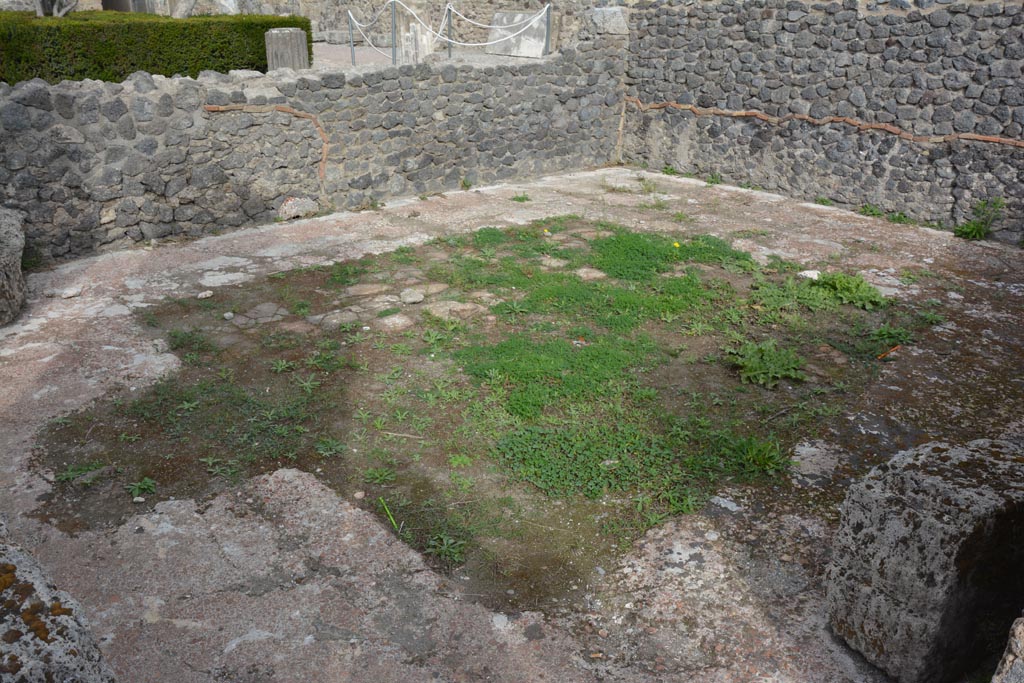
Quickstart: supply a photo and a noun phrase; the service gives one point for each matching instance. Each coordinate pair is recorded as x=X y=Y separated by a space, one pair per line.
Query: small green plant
x=281 y=365
x=465 y=183
x=823 y=201
x=388 y=311
x=137 y=488
x=683 y=217
x=889 y=336
x=379 y=475
x=647 y=186
x=986 y=213
x=302 y=308
x=765 y=363
x=871 y=210
x=753 y=457
x=851 y=289
x=446 y=548
x=669 y=170
x=189 y=340
x=328 y=447
x=521 y=198
x=73 y=472
x=31 y=258
x=714 y=179
x=898 y=217
x=460 y=460
x=308 y=384
x=658 y=204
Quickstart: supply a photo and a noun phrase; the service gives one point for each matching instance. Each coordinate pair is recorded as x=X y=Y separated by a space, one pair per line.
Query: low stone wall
x=913 y=111
x=94 y=164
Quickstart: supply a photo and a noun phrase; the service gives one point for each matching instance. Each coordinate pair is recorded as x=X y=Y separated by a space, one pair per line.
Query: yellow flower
x=675 y=244
x=546 y=232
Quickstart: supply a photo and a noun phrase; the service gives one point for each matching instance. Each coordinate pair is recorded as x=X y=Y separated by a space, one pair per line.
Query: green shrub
x=985 y=213
x=110 y=46
x=852 y=289
x=766 y=363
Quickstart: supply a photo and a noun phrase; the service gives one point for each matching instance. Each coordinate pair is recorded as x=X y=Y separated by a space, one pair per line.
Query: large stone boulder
x=927 y=563
x=12 y=282
x=43 y=636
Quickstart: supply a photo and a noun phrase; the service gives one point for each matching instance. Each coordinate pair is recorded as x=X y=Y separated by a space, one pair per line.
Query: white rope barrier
x=526 y=24
x=478 y=24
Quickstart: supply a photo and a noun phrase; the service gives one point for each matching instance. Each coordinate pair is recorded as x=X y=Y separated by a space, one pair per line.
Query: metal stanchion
x=547 y=30
x=351 y=39
x=394 y=35
x=448 y=10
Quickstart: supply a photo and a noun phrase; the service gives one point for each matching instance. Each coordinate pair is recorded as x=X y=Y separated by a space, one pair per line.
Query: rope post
x=394 y=35
x=547 y=30
x=448 y=11
x=351 y=39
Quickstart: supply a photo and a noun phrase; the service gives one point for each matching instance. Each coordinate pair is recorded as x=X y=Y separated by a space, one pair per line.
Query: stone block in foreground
x=42 y=635
x=928 y=558
x=12 y=282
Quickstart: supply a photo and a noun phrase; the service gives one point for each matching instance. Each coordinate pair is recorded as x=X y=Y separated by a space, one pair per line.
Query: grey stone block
x=928 y=547
x=12 y=282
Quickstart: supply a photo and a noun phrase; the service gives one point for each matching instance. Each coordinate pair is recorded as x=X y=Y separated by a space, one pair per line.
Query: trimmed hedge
x=110 y=46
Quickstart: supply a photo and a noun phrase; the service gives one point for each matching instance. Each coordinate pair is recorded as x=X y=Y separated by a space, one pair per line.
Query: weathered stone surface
x=397 y=322
x=455 y=310
x=12 y=281
x=1011 y=668
x=286 y=49
x=411 y=295
x=928 y=547
x=607 y=20
x=43 y=636
x=297 y=207
x=512 y=35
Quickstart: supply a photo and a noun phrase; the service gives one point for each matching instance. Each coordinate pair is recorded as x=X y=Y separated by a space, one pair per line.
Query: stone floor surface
x=281 y=580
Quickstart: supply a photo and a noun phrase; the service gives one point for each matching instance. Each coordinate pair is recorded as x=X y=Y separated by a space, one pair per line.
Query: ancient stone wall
x=94 y=164
x=823 y=99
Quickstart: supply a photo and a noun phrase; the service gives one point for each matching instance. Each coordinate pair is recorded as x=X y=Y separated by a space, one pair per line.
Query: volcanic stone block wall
x=94 y=164
x=820 y=99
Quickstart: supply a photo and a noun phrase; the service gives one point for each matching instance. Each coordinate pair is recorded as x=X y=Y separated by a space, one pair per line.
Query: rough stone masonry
x=95 y=164
x=854 y=102
x=916 y=111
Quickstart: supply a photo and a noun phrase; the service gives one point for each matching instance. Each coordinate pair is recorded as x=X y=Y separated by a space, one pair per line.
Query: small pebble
x=138 y=499
x=205 y=294
x=229 y=315
x=786 y=558
x=71 y=293
x=359 y=495
x=711 y=536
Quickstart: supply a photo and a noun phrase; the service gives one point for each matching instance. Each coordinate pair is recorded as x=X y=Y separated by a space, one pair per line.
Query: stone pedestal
x=12 y=282
x=286 y=49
